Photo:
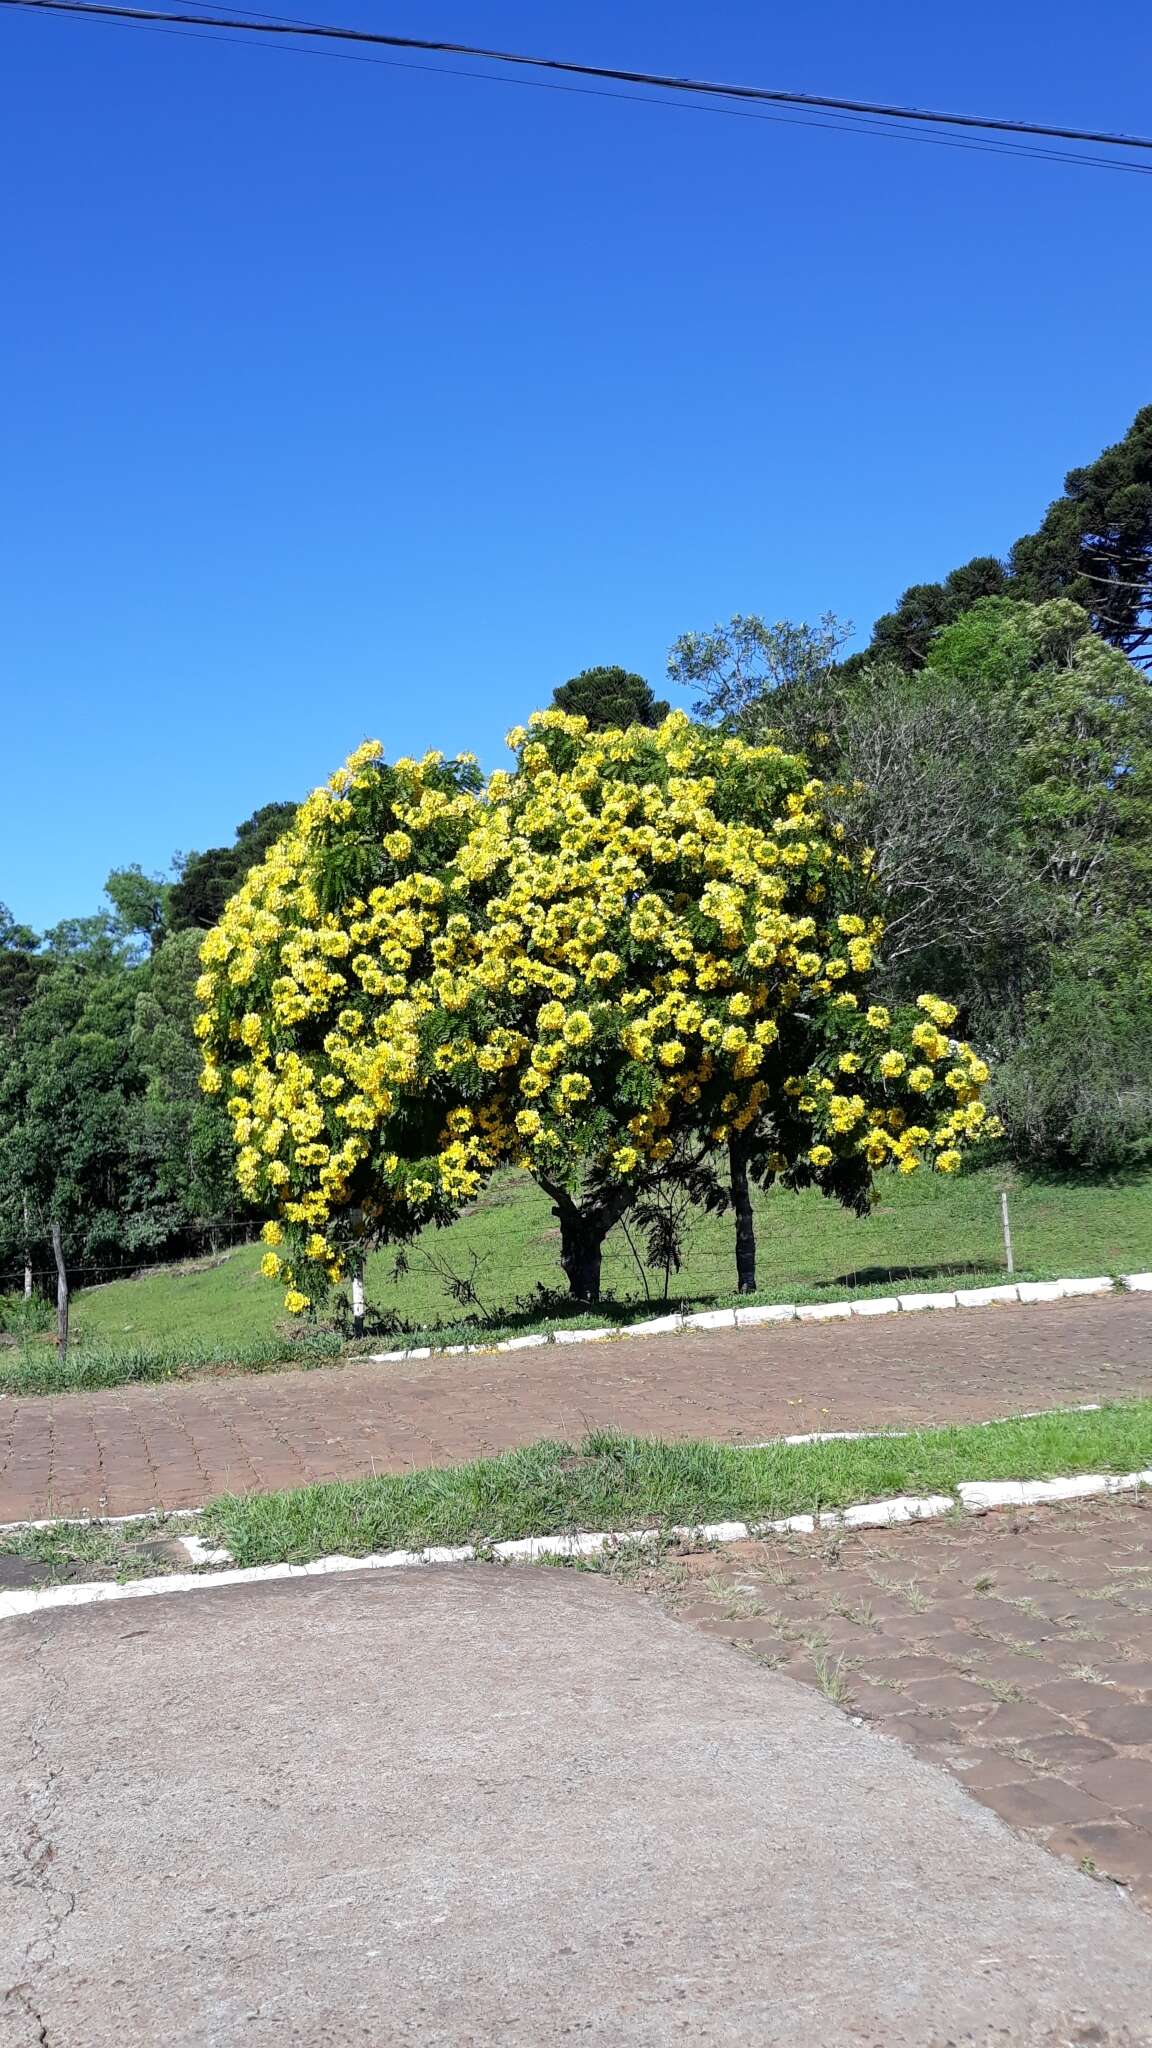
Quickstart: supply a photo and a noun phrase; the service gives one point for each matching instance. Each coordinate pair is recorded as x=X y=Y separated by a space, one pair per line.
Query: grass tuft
x=70 y=1552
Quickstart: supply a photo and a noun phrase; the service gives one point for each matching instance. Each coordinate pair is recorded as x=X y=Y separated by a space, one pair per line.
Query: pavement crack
x=39 y=1870
x=21 y=1995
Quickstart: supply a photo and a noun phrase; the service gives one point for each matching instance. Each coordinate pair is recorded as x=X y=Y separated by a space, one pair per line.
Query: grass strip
x=610 y=1481
x=38 y=1368
x=73 y=1552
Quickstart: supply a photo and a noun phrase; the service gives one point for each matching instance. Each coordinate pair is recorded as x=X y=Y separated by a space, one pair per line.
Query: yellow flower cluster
x=632 y=937
x=312 y=998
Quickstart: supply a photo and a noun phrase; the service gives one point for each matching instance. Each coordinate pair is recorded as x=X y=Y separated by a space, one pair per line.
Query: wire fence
x=508 y=1245
x=218 y=1238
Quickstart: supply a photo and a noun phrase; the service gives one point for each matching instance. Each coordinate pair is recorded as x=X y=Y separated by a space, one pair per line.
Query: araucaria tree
x=634 y=953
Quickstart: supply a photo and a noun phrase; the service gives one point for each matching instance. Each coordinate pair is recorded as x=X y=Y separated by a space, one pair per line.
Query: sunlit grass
x=613 y=1482
x=37 y=1368
x=925 y=1232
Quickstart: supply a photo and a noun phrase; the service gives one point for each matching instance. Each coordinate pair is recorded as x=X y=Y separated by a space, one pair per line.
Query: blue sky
x=343 y=398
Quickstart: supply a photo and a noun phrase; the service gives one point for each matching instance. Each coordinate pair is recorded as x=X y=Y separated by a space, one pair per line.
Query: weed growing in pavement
x=832 y=1679
x=905 y=1589
x=773 y=1572
x=1000 y=1689
x=861 y=1613
x=742 y=1607
x=735 y=1603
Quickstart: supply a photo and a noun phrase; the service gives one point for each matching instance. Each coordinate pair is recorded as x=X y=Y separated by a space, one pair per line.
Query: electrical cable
x=289 y=26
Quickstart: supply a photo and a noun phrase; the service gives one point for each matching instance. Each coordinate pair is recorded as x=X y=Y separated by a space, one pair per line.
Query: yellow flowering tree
x=313 y=1001
x=677 y=944
x=632 y=952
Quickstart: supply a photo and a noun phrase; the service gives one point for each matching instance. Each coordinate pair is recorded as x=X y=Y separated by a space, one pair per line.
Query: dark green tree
x=608 y=697
x=182 y=1136
x=140 y=903
x=1094 y=546
x=67 y=1109
x=103 y=1126
x=905 y=636
x=20 y=968
x=208 y=879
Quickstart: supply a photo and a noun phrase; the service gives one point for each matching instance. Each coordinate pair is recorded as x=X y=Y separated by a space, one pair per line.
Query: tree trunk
x=61 y=1292
x=581 y=1251
x=357 y=1304
x=745 y=1219
x=582 y=1234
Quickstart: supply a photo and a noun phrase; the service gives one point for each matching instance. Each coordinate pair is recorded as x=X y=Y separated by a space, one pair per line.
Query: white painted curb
x=974 y=1496
x=788 y=1312
x=99 y=1521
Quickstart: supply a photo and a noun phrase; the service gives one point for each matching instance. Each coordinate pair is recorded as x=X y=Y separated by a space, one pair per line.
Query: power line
x=851 y=124
x=285 y=26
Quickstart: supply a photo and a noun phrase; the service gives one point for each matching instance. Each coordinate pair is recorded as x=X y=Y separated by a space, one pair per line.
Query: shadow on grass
x=874 y=1276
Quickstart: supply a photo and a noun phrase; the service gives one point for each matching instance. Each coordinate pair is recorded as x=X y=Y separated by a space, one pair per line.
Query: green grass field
x=924 y=1232
x=612 y=1482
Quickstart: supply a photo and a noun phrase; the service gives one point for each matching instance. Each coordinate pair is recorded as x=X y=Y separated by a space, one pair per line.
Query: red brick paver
x=176 y=1445
x=1014 y=1650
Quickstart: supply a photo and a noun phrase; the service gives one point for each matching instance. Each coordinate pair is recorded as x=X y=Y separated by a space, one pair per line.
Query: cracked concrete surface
x=38 y=1895
x=472 y=1806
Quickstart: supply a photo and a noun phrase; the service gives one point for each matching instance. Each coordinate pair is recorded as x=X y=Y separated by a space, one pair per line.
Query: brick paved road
x=176 y=1445
x=1014 y=1650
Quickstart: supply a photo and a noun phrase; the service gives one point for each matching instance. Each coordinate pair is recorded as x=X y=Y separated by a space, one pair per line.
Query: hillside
x=507 y=1247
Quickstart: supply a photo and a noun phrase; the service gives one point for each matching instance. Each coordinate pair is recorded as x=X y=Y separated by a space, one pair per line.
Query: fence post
x=1008 y=1259
x=358 y=1304
x=61 y=1292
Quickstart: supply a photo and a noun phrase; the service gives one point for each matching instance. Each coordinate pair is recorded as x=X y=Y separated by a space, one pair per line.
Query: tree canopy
x=610 y=697
x=1093 y=546
x=1006 y=786
x=633 y=947
x=207 y=880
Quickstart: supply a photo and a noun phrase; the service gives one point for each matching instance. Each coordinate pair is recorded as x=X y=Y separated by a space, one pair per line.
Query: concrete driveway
x=487 y=1806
